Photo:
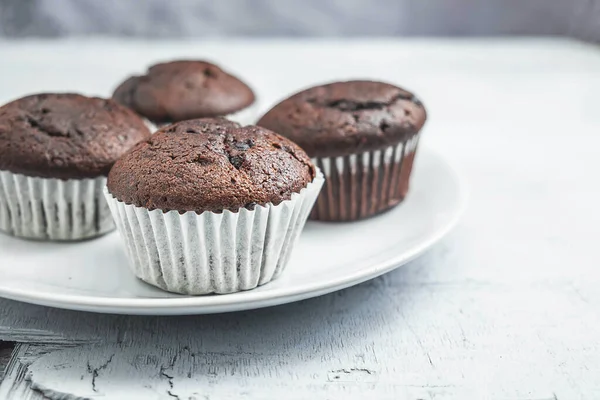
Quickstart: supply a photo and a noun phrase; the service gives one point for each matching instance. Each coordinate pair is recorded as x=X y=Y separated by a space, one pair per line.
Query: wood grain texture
x=507 y=307
x=16 y=385
x=6 y=349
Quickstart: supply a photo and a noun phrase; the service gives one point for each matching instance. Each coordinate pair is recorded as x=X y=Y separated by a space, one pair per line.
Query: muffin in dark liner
x=363 y=135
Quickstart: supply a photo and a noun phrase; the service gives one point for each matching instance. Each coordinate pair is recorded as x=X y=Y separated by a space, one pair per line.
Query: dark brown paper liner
x=361 y=185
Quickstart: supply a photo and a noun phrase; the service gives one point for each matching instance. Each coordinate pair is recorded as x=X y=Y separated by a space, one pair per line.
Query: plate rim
x=251 y=299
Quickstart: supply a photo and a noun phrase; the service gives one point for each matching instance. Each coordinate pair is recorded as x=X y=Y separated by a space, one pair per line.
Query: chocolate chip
x=245 y=145
x=209 y=73
x=383 y=125
x=236 y=161
x=241 y=146
x=250 y=206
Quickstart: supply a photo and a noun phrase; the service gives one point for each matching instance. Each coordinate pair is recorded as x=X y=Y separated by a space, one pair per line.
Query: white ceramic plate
x=94 y=276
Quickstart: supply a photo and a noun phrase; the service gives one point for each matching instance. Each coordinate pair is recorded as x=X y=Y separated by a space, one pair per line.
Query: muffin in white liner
x=213 y=252
x=53 y=209
x=55 y=153
x=207 y=206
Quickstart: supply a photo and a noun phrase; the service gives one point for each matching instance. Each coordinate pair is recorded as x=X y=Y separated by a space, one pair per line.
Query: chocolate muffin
x=210 y=206
x=180 y=90
x=55 y=153
x=362 y=134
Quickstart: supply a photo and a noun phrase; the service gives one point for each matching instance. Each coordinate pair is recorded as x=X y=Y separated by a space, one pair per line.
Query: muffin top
x=210 y=164
x=66 y=136
x=347 y=117
x=180 y=90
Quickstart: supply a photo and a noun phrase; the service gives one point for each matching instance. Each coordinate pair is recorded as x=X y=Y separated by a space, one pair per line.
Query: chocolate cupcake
x=208 y=206
x=55 y=153
x=362 y=134
x=181 y=90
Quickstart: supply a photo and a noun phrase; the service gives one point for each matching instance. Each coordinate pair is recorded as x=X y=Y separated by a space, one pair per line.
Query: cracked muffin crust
x=180 y=90
x=210 y=164
x=65 y=135
x=343 y=118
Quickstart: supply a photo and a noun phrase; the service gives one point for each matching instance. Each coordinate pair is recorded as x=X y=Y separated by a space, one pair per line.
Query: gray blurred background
x=210 y=18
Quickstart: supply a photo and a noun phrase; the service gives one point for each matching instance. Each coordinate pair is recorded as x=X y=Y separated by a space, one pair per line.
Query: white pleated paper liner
x=364 y=184
x=211 y=252
x=152 y=127
x=53 y=209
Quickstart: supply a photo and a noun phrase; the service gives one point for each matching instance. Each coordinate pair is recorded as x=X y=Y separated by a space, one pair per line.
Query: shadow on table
x=358 y=308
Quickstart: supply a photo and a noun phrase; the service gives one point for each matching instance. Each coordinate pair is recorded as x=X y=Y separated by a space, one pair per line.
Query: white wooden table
x=507 y=307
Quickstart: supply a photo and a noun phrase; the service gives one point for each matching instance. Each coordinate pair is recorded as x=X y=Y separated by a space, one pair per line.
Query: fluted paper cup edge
x=363 y=184
x=53 y=209
x=195 y=254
